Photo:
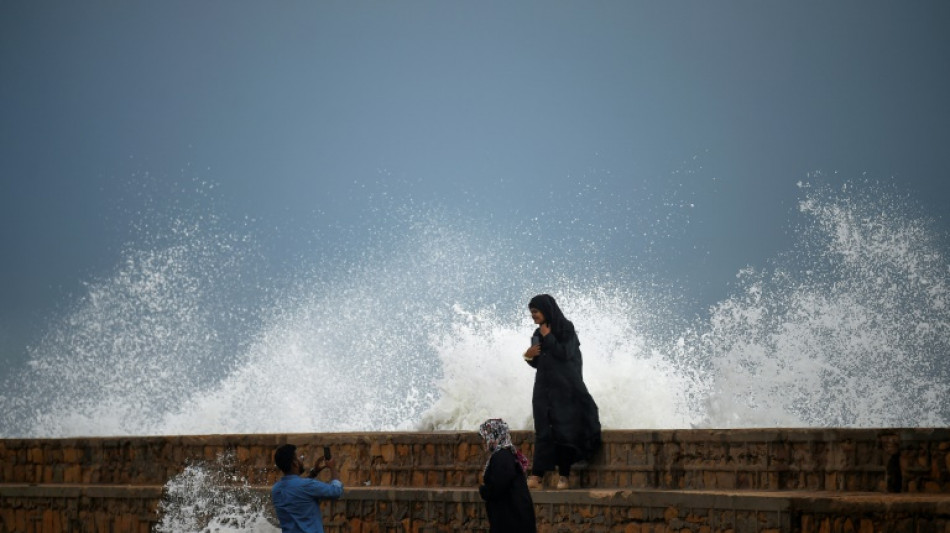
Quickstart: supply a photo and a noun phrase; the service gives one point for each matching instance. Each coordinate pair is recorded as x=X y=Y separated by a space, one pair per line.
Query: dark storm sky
x=290 y=107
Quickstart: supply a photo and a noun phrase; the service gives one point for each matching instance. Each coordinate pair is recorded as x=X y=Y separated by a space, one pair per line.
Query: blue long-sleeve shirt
x=297 y=502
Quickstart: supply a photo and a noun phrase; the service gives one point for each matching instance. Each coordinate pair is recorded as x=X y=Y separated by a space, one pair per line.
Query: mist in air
x=424 y=328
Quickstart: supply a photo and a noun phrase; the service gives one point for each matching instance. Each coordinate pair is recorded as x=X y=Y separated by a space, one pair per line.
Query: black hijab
x=562 y=328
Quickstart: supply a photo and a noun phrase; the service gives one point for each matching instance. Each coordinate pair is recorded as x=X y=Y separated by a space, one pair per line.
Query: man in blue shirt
x=297 y=499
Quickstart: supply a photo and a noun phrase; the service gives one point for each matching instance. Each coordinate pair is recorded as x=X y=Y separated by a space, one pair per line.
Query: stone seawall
x=684 y=480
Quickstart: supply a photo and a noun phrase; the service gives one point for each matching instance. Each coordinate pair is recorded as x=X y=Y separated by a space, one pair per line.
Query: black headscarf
x=562 y=328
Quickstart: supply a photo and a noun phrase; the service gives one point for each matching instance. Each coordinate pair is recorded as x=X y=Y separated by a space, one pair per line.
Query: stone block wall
x=774 y=459
x=616 y=512
x=689 y=481
x=377 y=510
x=42 y=509
x=788 y=459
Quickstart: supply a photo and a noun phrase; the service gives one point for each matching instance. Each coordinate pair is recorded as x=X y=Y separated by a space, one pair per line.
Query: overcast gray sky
x=296 y=109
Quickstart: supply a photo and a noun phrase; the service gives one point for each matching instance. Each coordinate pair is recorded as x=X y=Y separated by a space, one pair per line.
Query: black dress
x=565 y=414
x=507 y=499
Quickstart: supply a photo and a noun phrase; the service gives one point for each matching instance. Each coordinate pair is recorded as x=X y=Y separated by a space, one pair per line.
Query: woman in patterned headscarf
x=505 y=491
x=566 y=419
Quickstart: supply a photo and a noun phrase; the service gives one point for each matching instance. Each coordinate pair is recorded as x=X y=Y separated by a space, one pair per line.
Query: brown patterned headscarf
x=494 y=432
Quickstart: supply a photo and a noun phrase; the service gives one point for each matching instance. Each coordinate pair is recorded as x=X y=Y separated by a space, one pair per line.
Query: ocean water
x=209 y=496
x=424 y=328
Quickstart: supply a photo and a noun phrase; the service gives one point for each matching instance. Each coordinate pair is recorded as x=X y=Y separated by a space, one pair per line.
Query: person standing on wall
x=296 y=498
x=507 y=499
x=566 y=419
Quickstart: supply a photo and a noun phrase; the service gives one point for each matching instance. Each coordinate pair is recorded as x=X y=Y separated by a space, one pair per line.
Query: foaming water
x=135 y=344
x=424 y=327
x=485 y=376
x=850 y=329
x=209 y=496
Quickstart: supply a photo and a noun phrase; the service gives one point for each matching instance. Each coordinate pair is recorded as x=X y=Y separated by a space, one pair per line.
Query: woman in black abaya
x=566 y=420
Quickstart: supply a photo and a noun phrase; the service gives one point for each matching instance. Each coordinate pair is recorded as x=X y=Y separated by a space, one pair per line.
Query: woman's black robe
x=564 y=412
x=507 y=499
